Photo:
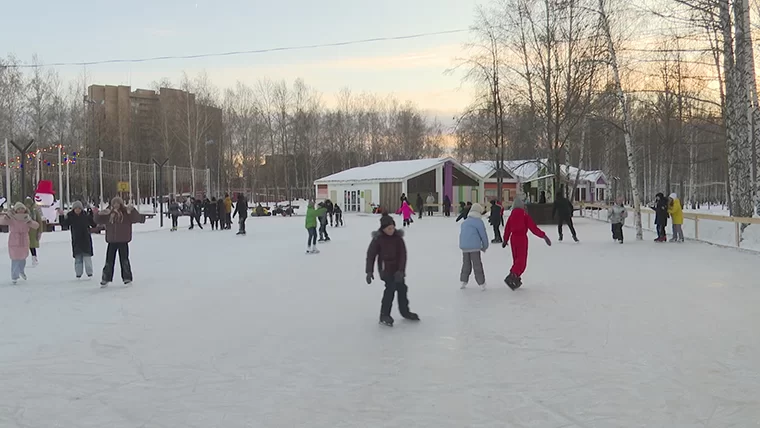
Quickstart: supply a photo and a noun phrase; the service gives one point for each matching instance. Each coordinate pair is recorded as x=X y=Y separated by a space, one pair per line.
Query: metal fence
x=98 y=180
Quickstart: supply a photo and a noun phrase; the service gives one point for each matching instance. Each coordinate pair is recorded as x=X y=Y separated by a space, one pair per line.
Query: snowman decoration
x=46 y=202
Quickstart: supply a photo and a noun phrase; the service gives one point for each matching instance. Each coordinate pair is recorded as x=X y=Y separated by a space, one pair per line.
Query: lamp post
x=159 y=194
x=22 y=153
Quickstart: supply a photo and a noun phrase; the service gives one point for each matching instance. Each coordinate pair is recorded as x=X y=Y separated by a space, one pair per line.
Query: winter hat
x=76 y=205
x=518 y=203
x=476 y=210
x=28 y=201
x=386 y=221
x=19 y=206
x=673 y=195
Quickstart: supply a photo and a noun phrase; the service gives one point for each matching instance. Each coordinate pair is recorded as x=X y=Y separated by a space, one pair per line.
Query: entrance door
x=367 y=201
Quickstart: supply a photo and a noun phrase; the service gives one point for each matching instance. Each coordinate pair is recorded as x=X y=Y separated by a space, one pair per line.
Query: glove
x=398 y=276
x=370 y=277
x=548 y=241
x=504 y=244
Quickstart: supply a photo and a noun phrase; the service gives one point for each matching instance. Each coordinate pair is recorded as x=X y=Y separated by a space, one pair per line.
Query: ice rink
x=225 y=331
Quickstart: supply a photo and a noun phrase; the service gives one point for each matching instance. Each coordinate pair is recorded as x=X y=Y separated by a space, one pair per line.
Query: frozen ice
x=226 y=331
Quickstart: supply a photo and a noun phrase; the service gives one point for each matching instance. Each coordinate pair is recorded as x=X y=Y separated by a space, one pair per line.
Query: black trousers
x=241 y=222
x=430 y=211
x=323 y=231
x=197 y=219
x=391 y=288
x=447 y=211
x=312 y=236
x=330 y=216
x=174 y=220
x=338 y=219
x=419 y=211
x=569 y=222
x=126 y=269
x=661 y=230
x=497 y=232
x=33 y=251
x=617 y=231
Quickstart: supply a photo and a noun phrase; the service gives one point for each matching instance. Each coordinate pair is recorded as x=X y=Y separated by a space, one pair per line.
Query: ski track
x=226 y=331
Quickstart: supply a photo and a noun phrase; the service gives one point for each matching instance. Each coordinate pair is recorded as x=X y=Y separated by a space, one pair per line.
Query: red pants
x=519 y=246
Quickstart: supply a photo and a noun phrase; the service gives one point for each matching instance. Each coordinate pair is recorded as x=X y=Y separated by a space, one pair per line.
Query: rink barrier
x=694 y=217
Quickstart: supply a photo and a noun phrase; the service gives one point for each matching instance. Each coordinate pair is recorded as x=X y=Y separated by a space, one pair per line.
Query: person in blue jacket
x=473 y=239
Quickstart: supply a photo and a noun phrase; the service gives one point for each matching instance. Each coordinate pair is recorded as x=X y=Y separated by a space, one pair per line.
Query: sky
x=415 y=70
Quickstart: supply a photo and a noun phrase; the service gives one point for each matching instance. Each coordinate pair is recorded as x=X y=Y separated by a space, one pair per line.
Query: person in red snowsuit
x=517 y=227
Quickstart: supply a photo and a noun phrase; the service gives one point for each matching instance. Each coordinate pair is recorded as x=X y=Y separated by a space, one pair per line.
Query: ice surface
x=226 y=331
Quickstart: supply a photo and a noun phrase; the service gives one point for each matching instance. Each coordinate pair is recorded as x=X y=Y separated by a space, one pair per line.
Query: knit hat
x=673 y=195
x=386 y=221
x=476 y=210
x=518 y=202
x=76 y=205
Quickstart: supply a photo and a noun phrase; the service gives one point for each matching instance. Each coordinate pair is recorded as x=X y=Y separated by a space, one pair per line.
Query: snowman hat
x=45 y=186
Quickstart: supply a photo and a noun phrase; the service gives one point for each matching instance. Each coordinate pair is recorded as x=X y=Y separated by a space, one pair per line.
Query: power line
x=236 y=53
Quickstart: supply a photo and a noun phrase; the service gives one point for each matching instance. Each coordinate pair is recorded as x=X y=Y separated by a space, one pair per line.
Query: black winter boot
x=386 y=320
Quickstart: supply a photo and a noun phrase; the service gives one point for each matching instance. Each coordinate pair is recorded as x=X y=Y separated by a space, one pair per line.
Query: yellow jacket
x=227 y=205
x=675 y=211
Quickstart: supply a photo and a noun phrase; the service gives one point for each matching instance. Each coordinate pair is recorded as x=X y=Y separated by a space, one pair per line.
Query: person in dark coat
x=175 y=212
x=212 y=211
x=542 y=197
x=323 y=236
x=388 y=248
x=338 y=216
x=330 y=210
x=563 y=211
x=660 y=216
x=446 y=206
x=495 y=219
x=464 y=210
x=79 y=223
x=221 y=212
x=241 y=209
x=420 y=205
x=206 y=210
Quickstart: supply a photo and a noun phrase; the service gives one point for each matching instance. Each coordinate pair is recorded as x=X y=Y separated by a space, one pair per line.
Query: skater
x=496 y=219
x=311 y=226
x=676 y=215
x=35 y=235
x=430 y=201
x=446 y=206
x=388 y=248
x=420 y=205
x=617 y=215
x=197 y=211
x=220 y=212
x=118 y=221
x=213 y=213
x=330 y=210
x=464 y=210
x=407 y=212
x=660 y=216
x=79 y=223
x=241 y=209
x=338 y=216
x=227 y=211
x=175 y=212
x=206 y=209
x=518 y=225
x=473 y=239
x=19 y=224
x=563 y=211
x=323 y=236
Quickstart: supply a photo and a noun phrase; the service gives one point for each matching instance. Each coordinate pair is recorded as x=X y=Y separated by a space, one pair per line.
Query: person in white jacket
x=616 y=215
x=473 y=239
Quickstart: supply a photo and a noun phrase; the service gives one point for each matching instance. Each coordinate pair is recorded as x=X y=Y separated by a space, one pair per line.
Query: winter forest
x=662 y=96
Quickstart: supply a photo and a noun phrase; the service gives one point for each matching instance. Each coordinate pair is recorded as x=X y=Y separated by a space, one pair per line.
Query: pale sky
x=87 y=30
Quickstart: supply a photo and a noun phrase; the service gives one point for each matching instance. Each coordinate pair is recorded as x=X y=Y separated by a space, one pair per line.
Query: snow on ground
x=226 y=331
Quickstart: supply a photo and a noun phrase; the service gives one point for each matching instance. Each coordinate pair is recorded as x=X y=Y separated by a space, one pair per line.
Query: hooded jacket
x=119 y=227
x=520 y=222
x=617 y=214
x=660 y=210
x=495 y=216
x=19 y=226
x=472 y=234
x=79 y=225
x=562 y=208
x=390 y=252
x=675 y=210
x=312 y=214
x=406 y=211
x=35 y=214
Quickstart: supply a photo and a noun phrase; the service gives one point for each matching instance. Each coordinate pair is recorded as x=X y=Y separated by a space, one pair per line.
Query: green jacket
x=312 y=214
x=36 y=234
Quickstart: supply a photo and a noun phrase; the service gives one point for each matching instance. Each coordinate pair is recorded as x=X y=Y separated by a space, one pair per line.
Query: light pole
x=208 y=175
x=22 y=152
x=100 y=167
x=160 y=196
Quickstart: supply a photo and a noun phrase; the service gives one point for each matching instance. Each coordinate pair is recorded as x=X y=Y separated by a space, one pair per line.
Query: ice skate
x=411 y=316
x=464 y=285
x=327 y=239
x=127 y=281
x=560 y=239
x=314 y=250
x=518 y=282
x=386 y=320
x=575 y=238
x=23 y=276
x=511 y=281
x=321 y=240
x=308 y=249
x=14 y=281
x=482 y=286
x=35 y=261
x=103 y=284
x=79 y=276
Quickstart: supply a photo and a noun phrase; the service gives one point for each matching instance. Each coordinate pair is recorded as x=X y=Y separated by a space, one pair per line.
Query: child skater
x=472 y=240
x=617 y=215
x=387 y=246
x=407 y=212
x=338 y=215
x=35 y=235
x=175 y=212
x=79 y=223
x=311 y=226
x=19 y=224
x=118 y=221
x=517 y=227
